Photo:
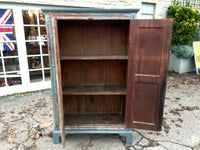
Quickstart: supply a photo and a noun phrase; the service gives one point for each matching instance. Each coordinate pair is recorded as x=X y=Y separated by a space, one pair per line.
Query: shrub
x=182 y=51
x=185 y=23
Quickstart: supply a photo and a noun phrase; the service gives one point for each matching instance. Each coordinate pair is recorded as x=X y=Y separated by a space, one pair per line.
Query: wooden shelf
x=94 y=90
x=95 y=57
x=94 y=121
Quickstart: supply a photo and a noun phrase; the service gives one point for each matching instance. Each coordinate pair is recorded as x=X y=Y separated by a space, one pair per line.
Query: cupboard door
x=149 y=45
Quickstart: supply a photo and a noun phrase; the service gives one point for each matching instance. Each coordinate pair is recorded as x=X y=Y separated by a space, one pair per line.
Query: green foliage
x=185 y=23
x=182 y=51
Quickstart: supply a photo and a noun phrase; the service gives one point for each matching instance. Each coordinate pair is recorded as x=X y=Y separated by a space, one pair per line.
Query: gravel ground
x=26 y=122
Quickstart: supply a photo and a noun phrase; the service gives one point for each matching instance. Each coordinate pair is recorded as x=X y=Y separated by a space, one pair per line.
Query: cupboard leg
x=56 y=137
x=128 y=135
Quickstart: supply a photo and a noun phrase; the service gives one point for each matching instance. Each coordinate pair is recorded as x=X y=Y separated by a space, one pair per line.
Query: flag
x=6 y=33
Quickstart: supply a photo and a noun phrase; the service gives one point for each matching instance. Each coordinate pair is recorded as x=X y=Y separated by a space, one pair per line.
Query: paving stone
x=19 y=126
x=197 y=147
x=136 y=137
x=20 y=147
x=130 y=148
x=42 y=116
x=1 y=127
x=6 y=146
x=20 y=137
x=10 y=117
x=156 y=148
x=32 y=123
x=48 y=131
x=111 y=142
x=144 y=142
x=174 y=146
x=28 y=143
x=137 y=147
x=39 y=144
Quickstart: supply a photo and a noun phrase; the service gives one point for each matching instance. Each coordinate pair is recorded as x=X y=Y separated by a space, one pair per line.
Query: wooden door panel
x=144 y=111
x=148 y=50
x=149 y=45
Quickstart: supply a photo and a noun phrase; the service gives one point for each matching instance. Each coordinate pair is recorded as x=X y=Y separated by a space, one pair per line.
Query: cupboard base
x=127 y=133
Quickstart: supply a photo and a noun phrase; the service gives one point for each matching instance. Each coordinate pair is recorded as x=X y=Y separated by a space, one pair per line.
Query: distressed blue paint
x=79 y=14
x=96 y=16
x=53 y=69
x=93 y=13
x=99 y=10
x=127 y=133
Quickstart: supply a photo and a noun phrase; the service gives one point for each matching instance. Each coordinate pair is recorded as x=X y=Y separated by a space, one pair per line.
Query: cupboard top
x=92 y=13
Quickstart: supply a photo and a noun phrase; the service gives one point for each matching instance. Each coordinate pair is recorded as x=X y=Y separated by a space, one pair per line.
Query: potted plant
x=185 y=28
x=181 y=59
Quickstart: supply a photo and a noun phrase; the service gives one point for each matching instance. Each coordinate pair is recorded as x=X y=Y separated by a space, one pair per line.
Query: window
x=25 y=66
x=147 y=11
x=36 y=45
x=9 y=60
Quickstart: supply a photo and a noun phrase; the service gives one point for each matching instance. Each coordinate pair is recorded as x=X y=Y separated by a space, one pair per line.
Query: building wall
x=160 y=5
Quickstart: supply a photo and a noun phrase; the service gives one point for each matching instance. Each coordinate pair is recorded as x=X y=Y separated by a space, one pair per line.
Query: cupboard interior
x=93 y=38
x=94 y=61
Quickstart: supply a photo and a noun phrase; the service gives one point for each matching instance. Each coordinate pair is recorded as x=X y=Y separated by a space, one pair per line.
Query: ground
x=26 y=122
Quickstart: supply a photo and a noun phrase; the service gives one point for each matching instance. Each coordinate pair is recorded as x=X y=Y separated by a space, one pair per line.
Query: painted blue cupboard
x=108 y=71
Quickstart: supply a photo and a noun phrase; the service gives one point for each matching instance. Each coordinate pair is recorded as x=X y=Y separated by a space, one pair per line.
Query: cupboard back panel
x=97 y=73
x=93 y=104
x=85 y=37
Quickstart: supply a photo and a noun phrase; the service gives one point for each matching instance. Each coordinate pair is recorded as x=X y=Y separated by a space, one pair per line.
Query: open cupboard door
x=149 y=46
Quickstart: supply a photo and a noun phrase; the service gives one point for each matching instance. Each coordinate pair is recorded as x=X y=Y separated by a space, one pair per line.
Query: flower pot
x=180 y=65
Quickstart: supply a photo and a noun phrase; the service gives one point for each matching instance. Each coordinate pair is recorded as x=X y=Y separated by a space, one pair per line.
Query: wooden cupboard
x=108 y=70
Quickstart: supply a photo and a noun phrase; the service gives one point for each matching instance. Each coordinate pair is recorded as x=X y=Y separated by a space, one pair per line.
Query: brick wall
x=160 y=11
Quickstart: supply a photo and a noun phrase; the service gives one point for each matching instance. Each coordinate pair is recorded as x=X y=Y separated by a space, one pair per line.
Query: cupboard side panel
x=53 y=66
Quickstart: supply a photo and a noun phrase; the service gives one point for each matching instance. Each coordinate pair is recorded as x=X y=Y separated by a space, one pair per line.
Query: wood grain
x=94 y=90
x=148 y=62
x=94 y=121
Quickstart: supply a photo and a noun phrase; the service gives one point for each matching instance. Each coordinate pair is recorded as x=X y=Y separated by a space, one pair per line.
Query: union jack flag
x=6 y=33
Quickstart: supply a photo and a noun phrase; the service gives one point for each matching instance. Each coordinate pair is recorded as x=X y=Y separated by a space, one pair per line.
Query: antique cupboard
x=108 y=71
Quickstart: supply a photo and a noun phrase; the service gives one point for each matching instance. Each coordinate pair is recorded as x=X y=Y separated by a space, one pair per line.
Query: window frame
x=145 y=13
x=4 y=73
x=39 y=40
x=25 y=85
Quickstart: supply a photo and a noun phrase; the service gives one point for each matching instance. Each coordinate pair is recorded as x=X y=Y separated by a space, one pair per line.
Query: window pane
x=144 y=16
x=14 y=81
x=11 y=64
x=41 y=17
x=35 y=76
x=45 y=48
x=148 y=8
x=2 y=82
x=7 y=33
x=32 y=44
x=31 y=33
x=7 y=46
x=13 y=52
x=8 y=14
x=1 y=67
x=29 y=17
x=43 y=33
x=46 y=61
x=32 y=48
x=34 y=62
x=47 y=75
